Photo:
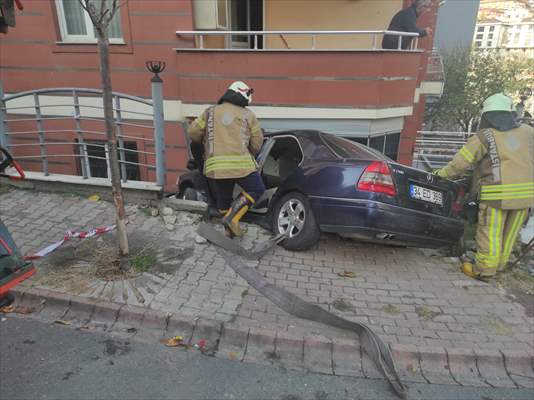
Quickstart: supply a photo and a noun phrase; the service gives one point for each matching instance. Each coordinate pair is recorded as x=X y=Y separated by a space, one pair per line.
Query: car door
x=262 y=205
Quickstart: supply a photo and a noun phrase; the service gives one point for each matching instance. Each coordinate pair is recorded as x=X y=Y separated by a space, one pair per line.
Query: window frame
x=89 y=38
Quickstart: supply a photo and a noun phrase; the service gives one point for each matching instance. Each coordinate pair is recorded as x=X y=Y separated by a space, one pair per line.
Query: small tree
x=471 y=76
x=101 y=13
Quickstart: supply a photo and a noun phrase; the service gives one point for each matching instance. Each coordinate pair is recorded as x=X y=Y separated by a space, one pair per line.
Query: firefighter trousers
x=497 y=231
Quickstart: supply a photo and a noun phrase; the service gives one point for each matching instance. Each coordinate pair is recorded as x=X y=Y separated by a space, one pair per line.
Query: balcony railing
x=254 y=38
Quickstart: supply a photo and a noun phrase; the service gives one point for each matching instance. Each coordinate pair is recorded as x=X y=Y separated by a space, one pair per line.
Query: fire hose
x=233 y=254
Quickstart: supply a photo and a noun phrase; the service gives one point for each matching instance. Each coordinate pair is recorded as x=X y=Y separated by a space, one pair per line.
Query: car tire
x=190 y=194
x=293 y=215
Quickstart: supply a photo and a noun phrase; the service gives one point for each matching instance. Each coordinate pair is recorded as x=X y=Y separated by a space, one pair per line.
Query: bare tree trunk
x=116 y=188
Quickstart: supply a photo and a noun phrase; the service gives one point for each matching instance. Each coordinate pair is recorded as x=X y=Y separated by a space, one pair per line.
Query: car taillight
x=377 y=178
x=457 y=205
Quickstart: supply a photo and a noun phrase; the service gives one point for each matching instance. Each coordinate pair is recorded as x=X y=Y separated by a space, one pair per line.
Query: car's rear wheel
x=294 y=217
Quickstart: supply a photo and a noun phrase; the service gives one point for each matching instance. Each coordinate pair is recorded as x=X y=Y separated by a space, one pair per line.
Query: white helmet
x=243 y=89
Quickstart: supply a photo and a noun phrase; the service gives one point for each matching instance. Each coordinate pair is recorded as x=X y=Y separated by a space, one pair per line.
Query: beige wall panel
x=328 y=15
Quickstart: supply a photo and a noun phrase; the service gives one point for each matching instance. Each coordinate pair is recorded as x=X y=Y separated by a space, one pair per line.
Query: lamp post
x=156 y=67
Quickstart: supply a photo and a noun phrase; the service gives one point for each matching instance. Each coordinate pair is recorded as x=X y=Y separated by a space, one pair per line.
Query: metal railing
x=435 y=70
x=254 y=37
x=434 y=149
x=52 y=110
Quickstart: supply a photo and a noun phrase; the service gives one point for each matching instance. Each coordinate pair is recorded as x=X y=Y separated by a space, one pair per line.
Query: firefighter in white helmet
x=501 y=155
x=232 y=137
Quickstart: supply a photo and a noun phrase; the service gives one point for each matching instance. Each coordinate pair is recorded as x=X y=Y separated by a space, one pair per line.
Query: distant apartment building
x=506 y=25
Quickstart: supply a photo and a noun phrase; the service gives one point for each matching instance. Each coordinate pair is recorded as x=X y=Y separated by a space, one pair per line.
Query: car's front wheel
x=294 y=217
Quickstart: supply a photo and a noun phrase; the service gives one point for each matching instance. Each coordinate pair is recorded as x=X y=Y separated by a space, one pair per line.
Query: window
x=76 y=26
x=98 y=154
x=222 y=14
x=344 y=148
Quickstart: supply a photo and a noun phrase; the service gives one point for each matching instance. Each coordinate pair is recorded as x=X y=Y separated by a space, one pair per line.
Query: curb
x=333 y=356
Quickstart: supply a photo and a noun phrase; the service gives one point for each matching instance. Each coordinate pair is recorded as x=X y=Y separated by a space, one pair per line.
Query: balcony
x=301 y=75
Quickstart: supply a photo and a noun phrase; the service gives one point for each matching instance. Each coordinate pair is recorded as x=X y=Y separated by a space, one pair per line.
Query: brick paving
x=408 y=297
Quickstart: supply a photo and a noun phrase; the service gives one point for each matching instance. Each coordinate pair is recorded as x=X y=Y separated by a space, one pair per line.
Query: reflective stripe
x=510 y=190
x=230 y=163
x=442 y=172
x=512 y=235
x=507 y=188
x=200 y=122
x=495 y=230
x=486 y=262
x=467 y=155
x=506 y=196
x=528 y=184
x=507 y=192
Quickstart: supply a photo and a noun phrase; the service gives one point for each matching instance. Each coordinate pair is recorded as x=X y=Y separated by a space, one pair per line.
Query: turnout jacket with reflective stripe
x=232 y=136
x=503 y=164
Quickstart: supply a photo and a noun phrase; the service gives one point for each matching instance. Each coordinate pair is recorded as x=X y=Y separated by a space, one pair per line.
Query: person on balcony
x=405 y=21
x=502 y=158
x=232 y=137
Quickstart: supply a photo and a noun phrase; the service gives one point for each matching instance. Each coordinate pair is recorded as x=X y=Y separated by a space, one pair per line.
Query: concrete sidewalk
x=437 y=320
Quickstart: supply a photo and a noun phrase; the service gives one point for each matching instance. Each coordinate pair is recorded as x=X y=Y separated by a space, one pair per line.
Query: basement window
x=76 y=27
x=98 y=154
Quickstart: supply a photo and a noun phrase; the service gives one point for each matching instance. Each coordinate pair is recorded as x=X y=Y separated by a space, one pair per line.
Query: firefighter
x=232 y=137
x=501 y=155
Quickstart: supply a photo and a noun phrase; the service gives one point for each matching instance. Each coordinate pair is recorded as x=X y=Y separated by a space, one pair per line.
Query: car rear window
x=344 y=148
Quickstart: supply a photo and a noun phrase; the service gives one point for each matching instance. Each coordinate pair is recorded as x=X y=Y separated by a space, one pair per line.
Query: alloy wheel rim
x=291 y=218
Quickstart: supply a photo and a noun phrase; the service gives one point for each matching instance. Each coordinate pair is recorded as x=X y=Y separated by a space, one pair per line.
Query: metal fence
x=434 y=149
x=254 y=38
x=67 y=123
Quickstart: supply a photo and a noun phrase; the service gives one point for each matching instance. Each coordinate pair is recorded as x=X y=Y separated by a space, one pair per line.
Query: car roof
x=299 y=132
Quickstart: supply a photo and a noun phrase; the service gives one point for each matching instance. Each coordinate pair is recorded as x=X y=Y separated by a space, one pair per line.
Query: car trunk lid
x=424 y=191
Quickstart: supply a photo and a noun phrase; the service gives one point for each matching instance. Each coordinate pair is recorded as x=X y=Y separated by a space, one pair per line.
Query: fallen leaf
x=411 y=368
x=61 y=322
x=24 y=310
x=232 y=355
x=7 y=309
x=94 y=197
x=347 y=274
x=174 y=341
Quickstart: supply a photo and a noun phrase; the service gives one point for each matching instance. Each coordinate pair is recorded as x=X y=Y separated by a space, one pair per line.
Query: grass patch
x=391 y=309
x=143 y=261
x=498 y=327
x=426 y=313
x=342 y=305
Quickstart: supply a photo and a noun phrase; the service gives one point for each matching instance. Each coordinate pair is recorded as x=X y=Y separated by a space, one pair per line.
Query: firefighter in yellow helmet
x=501 y=155
x=232 y=137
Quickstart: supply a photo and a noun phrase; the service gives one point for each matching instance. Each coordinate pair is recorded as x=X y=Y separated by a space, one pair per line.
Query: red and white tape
x=68 y=235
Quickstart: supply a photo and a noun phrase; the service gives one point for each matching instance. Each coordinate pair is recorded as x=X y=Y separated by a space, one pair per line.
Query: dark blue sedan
x=317 y=182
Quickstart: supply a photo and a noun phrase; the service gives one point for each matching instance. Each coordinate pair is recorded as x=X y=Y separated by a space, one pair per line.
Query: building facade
x=339 y=81
x=506 y=25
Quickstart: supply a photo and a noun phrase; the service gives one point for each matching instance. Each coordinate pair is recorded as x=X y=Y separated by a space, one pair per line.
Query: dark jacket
x=404 y=21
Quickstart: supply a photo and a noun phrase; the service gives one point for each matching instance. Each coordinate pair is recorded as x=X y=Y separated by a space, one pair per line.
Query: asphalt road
x=41 y=361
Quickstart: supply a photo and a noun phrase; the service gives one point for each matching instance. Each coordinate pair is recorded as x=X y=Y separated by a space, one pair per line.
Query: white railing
x=254 y=37
x=434 y=149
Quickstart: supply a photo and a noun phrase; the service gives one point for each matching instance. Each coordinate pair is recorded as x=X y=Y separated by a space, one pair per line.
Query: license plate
x=424 y=194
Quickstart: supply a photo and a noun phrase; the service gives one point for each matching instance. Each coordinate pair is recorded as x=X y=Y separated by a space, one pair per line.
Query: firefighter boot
x=231 y=219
